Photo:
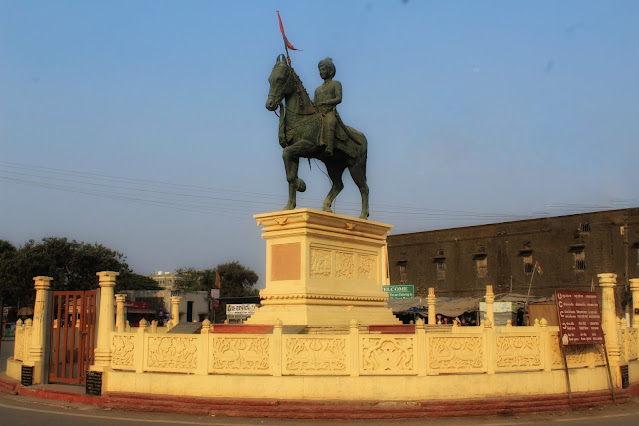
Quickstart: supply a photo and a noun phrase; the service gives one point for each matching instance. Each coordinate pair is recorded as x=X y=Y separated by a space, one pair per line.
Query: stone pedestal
x=323 y=269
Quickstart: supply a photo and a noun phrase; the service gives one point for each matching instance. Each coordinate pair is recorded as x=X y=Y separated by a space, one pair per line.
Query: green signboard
x=400 y=291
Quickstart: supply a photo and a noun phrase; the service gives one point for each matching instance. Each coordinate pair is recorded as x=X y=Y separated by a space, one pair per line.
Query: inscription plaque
x=625 y=378
x=579 y=317
x=26 y=378
x=94 y=383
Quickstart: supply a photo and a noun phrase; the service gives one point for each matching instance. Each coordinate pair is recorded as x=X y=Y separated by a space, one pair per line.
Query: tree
x=133 y=281
x=71 y=264
x=236 y=280
x=190 y=279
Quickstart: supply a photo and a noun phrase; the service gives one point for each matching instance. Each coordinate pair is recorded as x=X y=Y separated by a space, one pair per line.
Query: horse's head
x=280 y=83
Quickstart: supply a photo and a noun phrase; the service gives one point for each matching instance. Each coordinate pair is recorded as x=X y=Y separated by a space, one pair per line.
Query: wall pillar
x=106 y=320
x=120 y=318
x=432 y=310
x=175 y=310
x=490 y=299
x=634 y=288
x=39 y=344
x=609 y=323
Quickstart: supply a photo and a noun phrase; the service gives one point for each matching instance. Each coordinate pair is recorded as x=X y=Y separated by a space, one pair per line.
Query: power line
x=209 y=200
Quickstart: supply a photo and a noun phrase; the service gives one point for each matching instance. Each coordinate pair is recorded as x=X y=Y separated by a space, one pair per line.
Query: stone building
x=571 y=251
x=166 y=280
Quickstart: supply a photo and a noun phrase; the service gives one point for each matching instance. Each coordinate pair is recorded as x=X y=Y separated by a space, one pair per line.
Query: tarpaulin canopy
x=455 y=306
x=447 y=306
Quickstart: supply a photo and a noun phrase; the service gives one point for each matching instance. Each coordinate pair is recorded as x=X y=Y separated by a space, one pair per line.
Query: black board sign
x=625 y=380
x=26 y=378
x=94 y=383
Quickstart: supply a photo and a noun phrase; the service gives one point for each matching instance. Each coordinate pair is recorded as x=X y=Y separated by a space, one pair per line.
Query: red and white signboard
x=579 y=317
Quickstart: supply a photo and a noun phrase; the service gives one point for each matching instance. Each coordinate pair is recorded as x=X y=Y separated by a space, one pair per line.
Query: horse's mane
x=299 y=84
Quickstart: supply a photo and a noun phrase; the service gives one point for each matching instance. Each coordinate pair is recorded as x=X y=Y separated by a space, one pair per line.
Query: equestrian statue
x=313 y=129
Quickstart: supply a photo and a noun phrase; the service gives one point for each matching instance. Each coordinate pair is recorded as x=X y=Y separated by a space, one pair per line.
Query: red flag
x=286 y=42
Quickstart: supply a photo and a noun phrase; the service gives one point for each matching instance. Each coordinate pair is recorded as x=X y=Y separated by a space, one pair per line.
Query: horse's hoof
x=289 y=206
x=363 y=216
x=327 y=209
x=300 y=185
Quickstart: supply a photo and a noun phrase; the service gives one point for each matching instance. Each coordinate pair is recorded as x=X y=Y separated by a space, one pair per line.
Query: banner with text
x=401 y=291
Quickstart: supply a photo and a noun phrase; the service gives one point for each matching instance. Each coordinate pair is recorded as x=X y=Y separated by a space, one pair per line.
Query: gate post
x=609 y=322
x=39 y=344
x=107 y=321
x=634 y=288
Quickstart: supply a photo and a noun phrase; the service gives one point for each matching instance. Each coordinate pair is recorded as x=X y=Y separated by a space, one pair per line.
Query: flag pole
x=284 y=39
x=537 y=268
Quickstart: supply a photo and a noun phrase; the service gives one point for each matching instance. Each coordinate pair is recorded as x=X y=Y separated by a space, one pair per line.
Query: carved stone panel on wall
x=367 y=267
x=344 y=265
x=632 y=343
x=321 y=262
x=315 y=354
x=387 y=354
x=123 y=350
x=241 y=354
x=518 y=351
x=576 y=355
x=172 y=352
x=456 y=353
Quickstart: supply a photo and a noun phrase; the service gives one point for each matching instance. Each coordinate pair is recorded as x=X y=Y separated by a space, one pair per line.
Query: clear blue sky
x=141 y=124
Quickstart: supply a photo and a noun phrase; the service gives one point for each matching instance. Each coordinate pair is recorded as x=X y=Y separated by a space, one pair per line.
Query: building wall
x=166 y=280
x=571 y=251
x=200 y=301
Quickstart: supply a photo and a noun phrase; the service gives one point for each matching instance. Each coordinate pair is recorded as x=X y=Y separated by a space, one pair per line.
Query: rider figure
x=327 y=96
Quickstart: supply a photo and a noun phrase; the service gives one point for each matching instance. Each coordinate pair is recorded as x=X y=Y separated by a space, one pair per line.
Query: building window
x=482 y=266
x=580 y=260
x=441 y=269
x=584 y=227
x=402 y=272
x=440 y=252
x=528 y=264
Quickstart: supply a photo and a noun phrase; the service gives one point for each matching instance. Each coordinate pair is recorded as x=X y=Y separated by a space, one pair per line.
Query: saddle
x=343 y=142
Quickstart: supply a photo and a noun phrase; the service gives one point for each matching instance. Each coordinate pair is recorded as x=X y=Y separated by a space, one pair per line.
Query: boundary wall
x=354 y=362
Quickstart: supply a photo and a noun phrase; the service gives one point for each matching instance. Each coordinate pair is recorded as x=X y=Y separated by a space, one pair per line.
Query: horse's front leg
x=291 y=159
x=291 y=165
x=292 y=197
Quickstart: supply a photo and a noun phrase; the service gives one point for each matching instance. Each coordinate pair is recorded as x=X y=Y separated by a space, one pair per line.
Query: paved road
x=19 y=410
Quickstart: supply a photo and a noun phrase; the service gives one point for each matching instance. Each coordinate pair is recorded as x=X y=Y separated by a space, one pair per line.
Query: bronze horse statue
x=300 y=134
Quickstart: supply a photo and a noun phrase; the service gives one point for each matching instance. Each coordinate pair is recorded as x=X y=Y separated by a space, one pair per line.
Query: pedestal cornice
x=314 y=220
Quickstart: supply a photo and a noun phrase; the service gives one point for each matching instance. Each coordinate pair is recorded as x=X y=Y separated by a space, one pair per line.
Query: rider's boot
x=329 y=139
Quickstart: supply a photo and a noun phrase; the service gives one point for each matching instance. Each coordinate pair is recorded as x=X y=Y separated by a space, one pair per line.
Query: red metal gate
x=72 y=336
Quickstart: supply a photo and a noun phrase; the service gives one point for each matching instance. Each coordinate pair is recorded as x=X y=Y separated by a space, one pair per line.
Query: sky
x=141 y=125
